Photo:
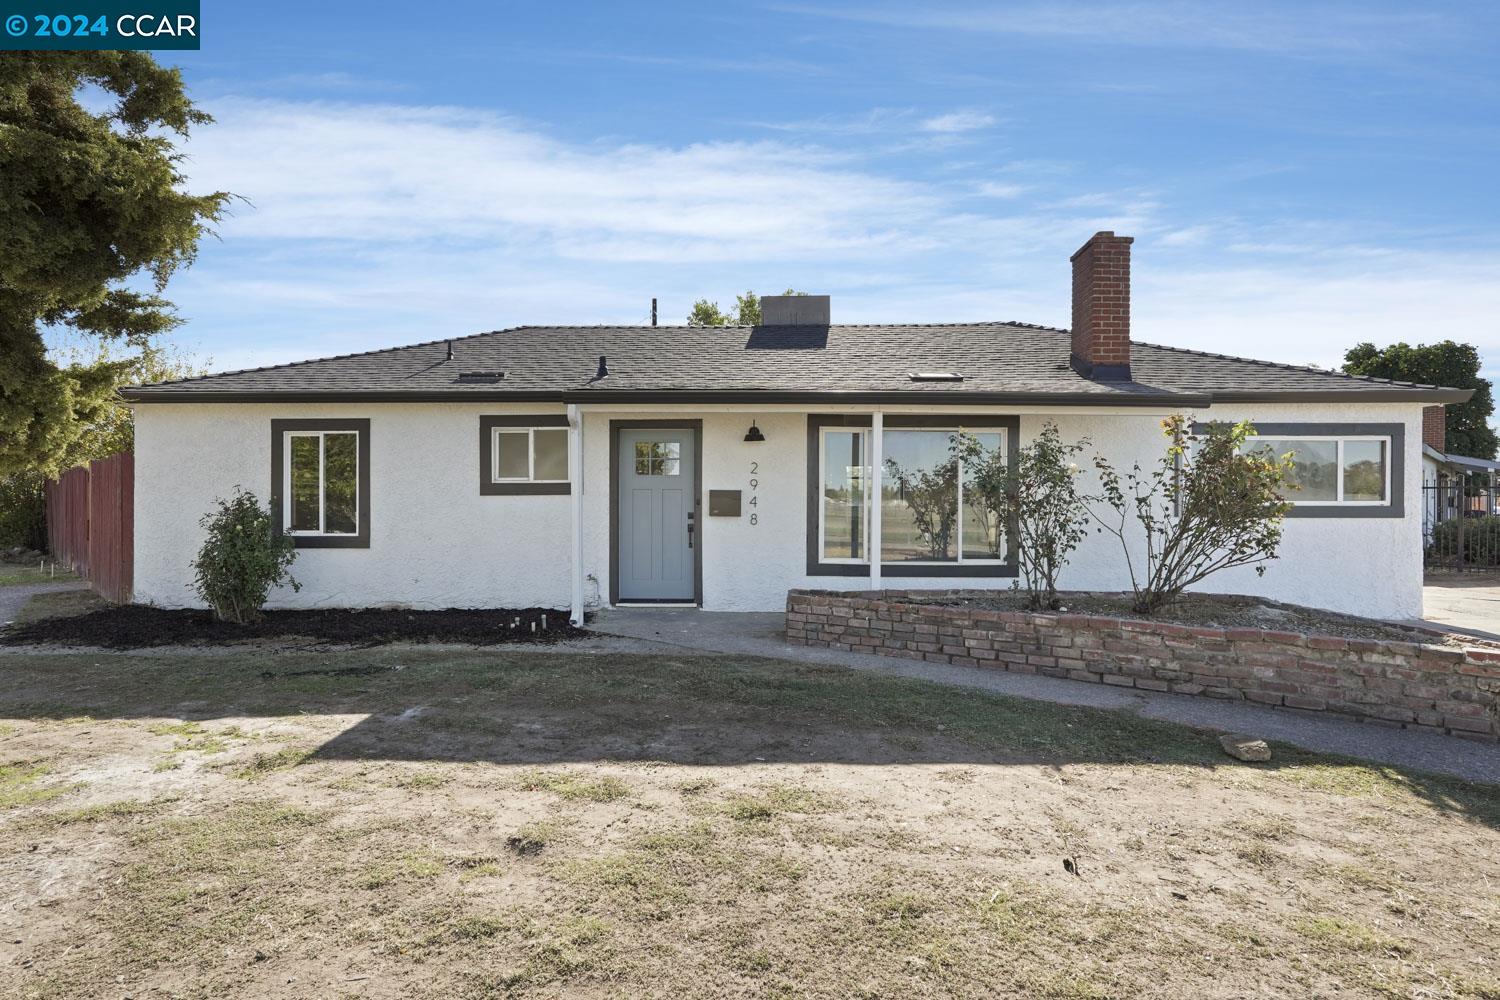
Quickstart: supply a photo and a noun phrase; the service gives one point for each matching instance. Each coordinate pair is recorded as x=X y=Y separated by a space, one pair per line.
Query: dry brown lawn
x=400 y=823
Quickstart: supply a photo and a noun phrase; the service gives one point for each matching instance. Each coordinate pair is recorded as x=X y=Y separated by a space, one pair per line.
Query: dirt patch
x=132 y=626
x=423 y=823
x=1208 y=611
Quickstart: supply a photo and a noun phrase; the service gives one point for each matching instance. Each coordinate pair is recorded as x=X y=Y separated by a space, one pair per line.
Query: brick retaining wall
x=1440 y=688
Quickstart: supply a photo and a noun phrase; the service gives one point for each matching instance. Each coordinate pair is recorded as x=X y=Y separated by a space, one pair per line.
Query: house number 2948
x=754 y=482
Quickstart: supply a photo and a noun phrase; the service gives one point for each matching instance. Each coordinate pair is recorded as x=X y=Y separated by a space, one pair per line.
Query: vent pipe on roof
x=653 y=310
x=450 y=351
x=603 y=371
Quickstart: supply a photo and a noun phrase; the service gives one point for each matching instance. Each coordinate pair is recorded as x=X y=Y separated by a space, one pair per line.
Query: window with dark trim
x=932 y=524
x=320 y=482
x=1341 y=470
x=523 y=455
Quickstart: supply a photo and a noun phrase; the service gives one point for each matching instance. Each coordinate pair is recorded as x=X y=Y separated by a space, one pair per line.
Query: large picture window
x=940 y=512
x=320 y=492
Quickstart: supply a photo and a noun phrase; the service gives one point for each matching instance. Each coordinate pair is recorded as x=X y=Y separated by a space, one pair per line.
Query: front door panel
x=657 y=515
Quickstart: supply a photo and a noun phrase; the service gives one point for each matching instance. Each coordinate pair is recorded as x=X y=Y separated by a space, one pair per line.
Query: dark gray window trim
x=1397 y=434
x=487 y=487
x=361 y=427
x=815 y=424
x=615 y=426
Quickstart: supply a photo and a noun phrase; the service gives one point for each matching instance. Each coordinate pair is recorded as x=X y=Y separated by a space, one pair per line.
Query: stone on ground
x=1245 y=747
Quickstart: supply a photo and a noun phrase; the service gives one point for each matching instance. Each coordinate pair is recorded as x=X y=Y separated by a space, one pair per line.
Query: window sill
x=524 y=489
x=1345 y=510
x=906 y=570
x=329 y=541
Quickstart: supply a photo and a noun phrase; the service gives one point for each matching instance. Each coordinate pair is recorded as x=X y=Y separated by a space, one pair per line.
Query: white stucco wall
x=436 y=542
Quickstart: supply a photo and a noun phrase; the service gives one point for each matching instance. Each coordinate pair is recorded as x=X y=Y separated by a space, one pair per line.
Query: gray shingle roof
x=998 y=361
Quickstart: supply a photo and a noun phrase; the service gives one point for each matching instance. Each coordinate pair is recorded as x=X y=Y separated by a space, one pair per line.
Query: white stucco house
x=582 y=466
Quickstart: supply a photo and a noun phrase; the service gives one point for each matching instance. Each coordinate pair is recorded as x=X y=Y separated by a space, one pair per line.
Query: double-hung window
x=321 y=481
x=523 y=454
x=941 y=501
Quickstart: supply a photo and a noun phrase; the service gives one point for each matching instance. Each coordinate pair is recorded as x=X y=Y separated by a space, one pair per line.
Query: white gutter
x=575 y=508
x=877 y=433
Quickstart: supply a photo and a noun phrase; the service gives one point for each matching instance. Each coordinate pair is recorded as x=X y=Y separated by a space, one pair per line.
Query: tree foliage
x=1037 y=497
x=1207 y=506
x=1447 y=363
x=746 y=311
x=242 y=558
x=90 y=198
x=931 y=496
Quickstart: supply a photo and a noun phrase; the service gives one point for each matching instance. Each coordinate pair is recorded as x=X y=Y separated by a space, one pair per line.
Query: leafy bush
x=23 y=511
x=1206 y=507
x=1481 y=540
x=242 y=559
x=1038 y=496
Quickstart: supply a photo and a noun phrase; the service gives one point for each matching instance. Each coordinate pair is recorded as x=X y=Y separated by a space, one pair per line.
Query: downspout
x=575 y=509
x=877 y=435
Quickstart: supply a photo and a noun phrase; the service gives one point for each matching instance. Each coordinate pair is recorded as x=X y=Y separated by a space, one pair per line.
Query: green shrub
x=1481 y=540
x=242 y=558
x=1207 y=506
x=23 y=511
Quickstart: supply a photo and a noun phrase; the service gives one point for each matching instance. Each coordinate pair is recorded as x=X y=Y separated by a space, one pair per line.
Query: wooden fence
x=91 y=524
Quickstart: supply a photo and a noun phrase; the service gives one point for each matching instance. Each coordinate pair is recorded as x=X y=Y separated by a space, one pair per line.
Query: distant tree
x=746 y=311
x=706 y=313
x=91 y=196
x=112 y=428
x=109 y=430
x=1444 y=363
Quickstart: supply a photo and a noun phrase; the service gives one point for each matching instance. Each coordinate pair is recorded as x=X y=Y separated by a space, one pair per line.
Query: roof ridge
x=1288 y=367
x=597 y=326
x=330 y=357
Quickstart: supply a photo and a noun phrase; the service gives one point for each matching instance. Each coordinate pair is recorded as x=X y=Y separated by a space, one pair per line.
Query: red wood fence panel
x=91 y=524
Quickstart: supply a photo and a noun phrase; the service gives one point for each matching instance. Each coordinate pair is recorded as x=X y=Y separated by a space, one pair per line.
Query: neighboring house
x=1451 y=483
x=574 y=466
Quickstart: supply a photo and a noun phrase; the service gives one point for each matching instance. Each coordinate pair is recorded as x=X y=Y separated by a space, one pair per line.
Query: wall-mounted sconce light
x=754 y=434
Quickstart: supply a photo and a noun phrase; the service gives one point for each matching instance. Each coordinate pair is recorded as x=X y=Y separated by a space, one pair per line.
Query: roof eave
x=1373 y=394
x=950 y=398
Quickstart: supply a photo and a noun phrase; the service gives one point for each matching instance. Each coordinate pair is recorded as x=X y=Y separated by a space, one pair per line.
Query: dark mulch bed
x=130 y=626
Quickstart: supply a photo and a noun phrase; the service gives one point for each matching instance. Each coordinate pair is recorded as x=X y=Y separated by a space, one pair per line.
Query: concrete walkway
x=754 y=634
x=14 y=598
x=1467 y=603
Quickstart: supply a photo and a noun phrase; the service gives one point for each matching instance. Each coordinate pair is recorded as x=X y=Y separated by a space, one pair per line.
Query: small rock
x=1245 y=747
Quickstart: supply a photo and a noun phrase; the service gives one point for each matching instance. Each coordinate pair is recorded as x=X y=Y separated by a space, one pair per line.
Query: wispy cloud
x=1260 y=27
x=957 y=121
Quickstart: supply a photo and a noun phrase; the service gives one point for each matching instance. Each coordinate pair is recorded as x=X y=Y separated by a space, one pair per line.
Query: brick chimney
x=1435 y=428
x=1101 y=308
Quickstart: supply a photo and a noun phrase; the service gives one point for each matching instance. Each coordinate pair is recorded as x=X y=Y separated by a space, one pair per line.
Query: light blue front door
x=658 y=527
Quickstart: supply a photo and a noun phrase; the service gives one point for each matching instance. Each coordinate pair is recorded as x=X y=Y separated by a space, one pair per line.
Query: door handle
x=690 y=529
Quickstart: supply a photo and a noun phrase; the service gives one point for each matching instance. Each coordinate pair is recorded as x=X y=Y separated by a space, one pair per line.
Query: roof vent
x=935 y=376
x=480 y=376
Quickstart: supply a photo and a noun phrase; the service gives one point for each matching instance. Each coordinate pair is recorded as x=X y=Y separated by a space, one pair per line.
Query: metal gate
x=1461 y=525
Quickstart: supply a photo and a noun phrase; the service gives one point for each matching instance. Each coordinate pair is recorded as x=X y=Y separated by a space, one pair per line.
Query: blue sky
x=1299 y=177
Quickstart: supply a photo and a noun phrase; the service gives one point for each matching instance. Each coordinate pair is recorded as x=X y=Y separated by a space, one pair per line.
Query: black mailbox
x=723 y=503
